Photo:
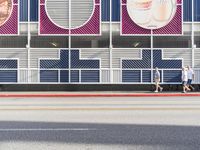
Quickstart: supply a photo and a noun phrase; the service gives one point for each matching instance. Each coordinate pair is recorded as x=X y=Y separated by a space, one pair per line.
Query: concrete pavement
x=85 y=123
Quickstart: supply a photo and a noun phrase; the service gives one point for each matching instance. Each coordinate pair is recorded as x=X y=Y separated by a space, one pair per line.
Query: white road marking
x=48 y=129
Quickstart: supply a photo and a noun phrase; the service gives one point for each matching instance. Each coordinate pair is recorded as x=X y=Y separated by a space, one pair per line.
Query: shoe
x=161 y=89
x=156 y=91
x=184 y=92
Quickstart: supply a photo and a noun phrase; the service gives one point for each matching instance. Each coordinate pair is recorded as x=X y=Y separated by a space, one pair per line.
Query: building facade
x=98 y=41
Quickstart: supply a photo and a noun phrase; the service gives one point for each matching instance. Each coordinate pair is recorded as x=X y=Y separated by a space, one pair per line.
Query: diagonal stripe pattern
x=144 y=63
x=128 y=26
x=175 y=25
x=8 y=64
x=165 y=64
x=62 y=63
x=11 y=25
x=90 y=28
x=80 y=64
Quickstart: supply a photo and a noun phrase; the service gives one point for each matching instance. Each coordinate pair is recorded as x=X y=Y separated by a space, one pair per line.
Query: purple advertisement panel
x=179 y=1
x=8 y=17
x=161 y=17
x=42 y=1
x=129 y=27
x=92 y=26
x=174 y=26
x=81 y=21
x=47 y=26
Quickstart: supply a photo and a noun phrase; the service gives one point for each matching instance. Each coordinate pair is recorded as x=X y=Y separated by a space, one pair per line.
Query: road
x=149 y=123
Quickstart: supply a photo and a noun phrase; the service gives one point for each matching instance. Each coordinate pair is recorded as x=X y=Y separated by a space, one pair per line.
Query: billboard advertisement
x=8 y=17
x=64 y=17
x=5 y=10
x=160 y=17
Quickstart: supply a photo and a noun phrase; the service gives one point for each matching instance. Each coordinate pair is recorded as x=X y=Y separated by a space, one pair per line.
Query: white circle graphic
x=58 y=12
x=151 y=14
x=5 y=10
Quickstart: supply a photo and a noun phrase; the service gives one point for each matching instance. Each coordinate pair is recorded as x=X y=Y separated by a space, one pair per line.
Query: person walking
x=157 y=80
x=190 y=78
x=185 y=79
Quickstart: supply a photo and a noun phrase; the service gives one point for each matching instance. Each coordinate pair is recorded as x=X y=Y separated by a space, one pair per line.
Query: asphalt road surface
x=160 y=123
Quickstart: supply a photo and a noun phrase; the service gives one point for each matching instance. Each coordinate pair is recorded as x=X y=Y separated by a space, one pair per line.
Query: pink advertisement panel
x=88 y=27
x=160 y=17
x=8 y=17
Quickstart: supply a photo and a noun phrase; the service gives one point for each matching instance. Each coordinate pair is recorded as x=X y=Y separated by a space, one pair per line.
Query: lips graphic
x=143 y=5
x=151 y=14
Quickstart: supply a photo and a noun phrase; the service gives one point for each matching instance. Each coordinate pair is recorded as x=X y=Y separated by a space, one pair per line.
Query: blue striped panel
x=23 y=10
x=8 y=64
x=105 y=7
x=197 y=10
x=8 y=76
x=172 y=75
x=131 y=76
x=63 y=63
x=34 y=10
x=115 y=10
x=48 y=76
x=74 y=76
x=165 y=64
x=90 y=76
x=144 y=63
x=146 y=76
x=187 y=10
x=77 y=63
x=64 y=76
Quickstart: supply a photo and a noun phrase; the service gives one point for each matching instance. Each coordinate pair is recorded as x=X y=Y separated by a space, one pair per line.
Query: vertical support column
x=152 y=56
x=110 y=45
x=29 y=40
x=69 y=42
x=192 y=38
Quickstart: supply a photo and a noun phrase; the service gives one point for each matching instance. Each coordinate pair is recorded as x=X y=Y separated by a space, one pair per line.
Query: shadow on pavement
x=88 y=133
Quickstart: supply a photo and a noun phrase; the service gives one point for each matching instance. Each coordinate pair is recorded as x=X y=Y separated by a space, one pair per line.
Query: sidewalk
x=98 y=94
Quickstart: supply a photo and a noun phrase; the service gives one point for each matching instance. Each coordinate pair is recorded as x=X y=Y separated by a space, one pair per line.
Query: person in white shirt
x=157 y=80
x=190 y=78
x=185 y=79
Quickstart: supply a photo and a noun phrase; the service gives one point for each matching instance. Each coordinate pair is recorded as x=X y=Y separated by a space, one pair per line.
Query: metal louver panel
x=58 y=11
x=81 y=10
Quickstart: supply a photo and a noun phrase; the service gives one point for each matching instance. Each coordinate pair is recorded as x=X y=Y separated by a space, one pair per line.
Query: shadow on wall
x=89 y=87
x=91 y=133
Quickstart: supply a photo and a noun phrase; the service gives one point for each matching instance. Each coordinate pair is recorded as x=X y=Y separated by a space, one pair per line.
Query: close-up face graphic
x=5 y=10
x=151 y=14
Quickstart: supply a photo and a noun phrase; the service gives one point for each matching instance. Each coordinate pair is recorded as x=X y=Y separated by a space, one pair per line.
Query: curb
x=104 y=95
